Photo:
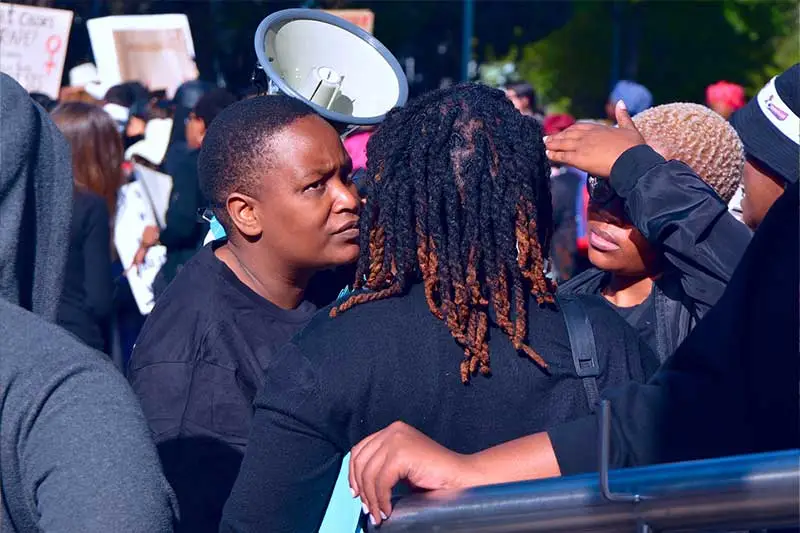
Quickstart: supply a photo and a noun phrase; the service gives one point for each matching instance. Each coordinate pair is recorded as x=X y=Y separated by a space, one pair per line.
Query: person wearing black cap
x=770 y=131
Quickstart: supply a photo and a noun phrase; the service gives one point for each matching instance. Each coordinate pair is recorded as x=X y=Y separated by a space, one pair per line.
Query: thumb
x=623 y=118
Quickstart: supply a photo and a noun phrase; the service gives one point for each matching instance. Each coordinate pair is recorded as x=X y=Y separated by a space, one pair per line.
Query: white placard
x=33 y=46
x=157 y=187
x=137 y=208
x=156 y=50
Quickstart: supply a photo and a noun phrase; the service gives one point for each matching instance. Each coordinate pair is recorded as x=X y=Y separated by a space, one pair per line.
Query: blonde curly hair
x=697 y=136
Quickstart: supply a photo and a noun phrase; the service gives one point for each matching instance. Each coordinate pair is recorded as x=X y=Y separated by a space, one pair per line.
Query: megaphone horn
x=345 y=74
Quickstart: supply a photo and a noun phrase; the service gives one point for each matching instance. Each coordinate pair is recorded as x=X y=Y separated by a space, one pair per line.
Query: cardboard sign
x=33 y=46
x=363 y=18
x=156 y=50
x=141 y=203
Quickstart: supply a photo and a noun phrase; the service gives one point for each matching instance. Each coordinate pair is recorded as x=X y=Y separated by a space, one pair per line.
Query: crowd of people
x=442 y=300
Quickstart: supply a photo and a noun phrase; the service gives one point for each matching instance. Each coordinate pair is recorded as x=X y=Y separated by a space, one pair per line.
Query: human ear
x=242 y=210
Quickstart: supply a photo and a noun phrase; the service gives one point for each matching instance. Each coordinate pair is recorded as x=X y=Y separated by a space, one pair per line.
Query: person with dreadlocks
x=451 y=325
x=729 y=389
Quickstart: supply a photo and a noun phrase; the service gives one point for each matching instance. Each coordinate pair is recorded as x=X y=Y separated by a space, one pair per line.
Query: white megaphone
x=345 y=74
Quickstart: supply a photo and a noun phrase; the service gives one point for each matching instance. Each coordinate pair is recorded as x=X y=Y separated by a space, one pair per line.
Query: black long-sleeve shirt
x=731 y=387
x=86 y=302
x=344 y=378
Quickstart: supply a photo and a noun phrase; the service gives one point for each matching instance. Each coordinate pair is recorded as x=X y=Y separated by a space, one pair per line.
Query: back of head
x=211 y=104
x=523 y=90
x=35 y=202
x=460 y=199
x=190 y=92
x=236 y=150
x=126 y=94
x=699 y=137
x=186 y=97
x=557 y=122
x=96 y=149
x=728 y=94
x=636 y=96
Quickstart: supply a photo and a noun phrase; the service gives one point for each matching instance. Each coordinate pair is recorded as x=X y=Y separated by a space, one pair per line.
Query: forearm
x=530 y=457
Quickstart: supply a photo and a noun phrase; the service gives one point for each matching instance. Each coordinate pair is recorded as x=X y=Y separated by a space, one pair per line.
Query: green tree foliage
x=676 y=48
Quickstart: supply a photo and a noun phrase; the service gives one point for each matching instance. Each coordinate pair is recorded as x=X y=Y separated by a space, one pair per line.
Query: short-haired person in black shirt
x=451 y=326
x=278 y=178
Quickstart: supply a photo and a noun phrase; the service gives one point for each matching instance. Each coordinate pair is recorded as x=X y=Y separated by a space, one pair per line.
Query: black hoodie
x=731 y=387
x=75 y=450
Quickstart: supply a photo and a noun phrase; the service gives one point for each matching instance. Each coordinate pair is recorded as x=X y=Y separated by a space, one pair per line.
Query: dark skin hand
x=593 y=147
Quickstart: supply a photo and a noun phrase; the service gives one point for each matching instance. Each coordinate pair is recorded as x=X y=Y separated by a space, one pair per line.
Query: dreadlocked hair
x=459 y=200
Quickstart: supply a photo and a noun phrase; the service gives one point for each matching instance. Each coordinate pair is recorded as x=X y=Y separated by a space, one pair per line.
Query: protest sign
x=33 y=46
x=363 y=18
x=156 y=50
x=141 y=203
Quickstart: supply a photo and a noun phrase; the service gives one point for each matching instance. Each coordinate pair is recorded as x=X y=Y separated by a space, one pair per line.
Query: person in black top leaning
x=729 y=389
x=278 y=178
x=87 y=301
x=183 y=233
x=451 y=325
x=664 y=247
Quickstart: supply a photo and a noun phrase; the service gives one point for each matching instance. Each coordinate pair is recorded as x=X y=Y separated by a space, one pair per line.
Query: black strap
x=584 y=351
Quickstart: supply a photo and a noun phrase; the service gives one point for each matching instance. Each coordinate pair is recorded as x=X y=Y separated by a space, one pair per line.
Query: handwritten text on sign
x=33 y=46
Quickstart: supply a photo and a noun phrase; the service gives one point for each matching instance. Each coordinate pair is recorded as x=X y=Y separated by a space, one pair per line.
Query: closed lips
x=602 y=240
x=350 y=225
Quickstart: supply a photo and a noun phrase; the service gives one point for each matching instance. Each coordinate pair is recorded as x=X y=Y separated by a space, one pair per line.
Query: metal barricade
x=735 y=493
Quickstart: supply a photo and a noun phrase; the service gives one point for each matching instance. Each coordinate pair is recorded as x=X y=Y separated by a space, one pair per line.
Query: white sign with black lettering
x=33 y=46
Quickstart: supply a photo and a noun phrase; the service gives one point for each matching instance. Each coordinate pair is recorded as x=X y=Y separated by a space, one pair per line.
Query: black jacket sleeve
x=98 y=285
x=182 y=227
x=677 y=211
x=731 y=387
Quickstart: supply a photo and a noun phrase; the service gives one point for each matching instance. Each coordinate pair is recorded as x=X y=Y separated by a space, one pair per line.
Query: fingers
x=373 y=481
x=557 y=157
x=562 y=144
x=363 y=467
x=354 y=454
x=576 y=131
x=375 y=468
x=623 y=118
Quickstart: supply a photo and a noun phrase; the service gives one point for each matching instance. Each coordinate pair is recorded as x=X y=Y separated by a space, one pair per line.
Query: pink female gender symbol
x=53 y=45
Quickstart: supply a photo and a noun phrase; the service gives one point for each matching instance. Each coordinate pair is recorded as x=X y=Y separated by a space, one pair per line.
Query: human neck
x=627 y=291
x=283 y=287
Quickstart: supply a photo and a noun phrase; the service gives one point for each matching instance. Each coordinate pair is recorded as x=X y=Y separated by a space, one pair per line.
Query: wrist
x=472 y=471
x=631 y=165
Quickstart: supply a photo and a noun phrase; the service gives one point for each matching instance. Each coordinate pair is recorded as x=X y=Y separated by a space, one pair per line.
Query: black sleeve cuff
x=575 y=446
x=632 y=165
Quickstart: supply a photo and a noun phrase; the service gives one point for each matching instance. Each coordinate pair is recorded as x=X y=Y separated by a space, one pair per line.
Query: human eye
x=314 y=186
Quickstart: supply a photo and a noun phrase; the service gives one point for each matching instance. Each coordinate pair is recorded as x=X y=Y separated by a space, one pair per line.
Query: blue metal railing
x=744 y=492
